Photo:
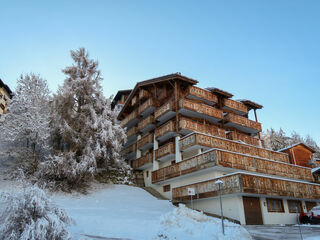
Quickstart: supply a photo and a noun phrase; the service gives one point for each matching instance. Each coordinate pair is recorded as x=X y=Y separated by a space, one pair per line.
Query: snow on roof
x=315 y=169
x=296 y=144
x=250 y=104
x=219 y=91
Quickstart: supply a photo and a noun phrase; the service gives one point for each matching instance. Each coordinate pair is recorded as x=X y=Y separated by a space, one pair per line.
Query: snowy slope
x=126 y=212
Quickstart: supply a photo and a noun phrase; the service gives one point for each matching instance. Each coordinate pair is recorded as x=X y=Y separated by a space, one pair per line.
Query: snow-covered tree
x=32 y=215
x=276 y=140
x=86 y=133
x=26 y=126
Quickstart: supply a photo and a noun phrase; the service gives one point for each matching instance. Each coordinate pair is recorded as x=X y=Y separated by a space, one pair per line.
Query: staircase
x=154 y=193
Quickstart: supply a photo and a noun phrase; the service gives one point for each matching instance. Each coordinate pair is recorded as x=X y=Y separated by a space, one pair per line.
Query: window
x=293 y=205
x=147 y=174
x=275 y=205
x=166 y=188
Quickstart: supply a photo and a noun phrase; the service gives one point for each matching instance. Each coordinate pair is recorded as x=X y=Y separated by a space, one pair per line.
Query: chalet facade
x=181 y=136
x=5 y=94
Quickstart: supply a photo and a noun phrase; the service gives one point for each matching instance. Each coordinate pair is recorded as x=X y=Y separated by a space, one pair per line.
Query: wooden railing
x=196 y=126
x=145 y=105
x=132 y=131
x=202 y=94
x=140 y=162
x=129 y=149
x=128 y=118
x=245 y=138
x=242 y=121
x=134 y=100
x=165 y=128
x=248 y=184
x=235 y=105
x=229 y=145
x=145 y=140
x=231 y=160
x=168 y=106
x=143 y=94
x=145 y=122
x=165 y=150
x=200 y=108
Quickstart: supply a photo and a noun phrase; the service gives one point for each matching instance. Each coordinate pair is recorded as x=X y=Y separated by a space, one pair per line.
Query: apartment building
x=5 y=94
x=183 y=137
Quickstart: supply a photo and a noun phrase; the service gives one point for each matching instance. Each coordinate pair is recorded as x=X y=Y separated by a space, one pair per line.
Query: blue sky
x=266 y=51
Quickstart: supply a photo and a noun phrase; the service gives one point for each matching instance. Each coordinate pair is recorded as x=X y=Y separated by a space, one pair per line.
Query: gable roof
x=220 y=92
x=6 y=88
x=156 y=80
x=294 y=145
x=250 y=104
x=118 y=96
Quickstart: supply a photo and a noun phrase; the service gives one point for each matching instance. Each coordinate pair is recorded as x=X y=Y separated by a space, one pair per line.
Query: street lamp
x=220 y=183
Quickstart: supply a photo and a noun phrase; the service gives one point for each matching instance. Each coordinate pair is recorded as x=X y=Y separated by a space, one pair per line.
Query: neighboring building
x=181 y=136
x=5 y=94
x=120 y=98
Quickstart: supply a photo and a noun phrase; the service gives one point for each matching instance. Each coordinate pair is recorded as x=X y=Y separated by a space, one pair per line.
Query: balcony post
x=155 y=147
x=177 y=146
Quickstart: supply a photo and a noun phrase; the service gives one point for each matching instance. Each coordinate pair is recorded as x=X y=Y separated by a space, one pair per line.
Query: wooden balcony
x=129 y=152
x=166 y=152
x=146 y=108
x=225 y=159
x=143 y=162
x=166 y=131
x=145 y=142
x=187 y=125
x=134 y=101
x=130 y=120
x=241 y=123
x=165 y=112
x=236 y=136
x=235 y=106
x=146 y=125
x=132 y=134
x=197 y=110
x=246 y=184
x=199 y=140
x=202 y=95
x=143 y=94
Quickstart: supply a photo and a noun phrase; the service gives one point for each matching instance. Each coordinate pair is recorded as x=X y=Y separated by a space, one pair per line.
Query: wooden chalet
x=181 y=136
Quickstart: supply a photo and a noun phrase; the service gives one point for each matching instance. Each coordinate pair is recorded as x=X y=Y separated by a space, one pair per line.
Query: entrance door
x=252 y=211
x=310 y=205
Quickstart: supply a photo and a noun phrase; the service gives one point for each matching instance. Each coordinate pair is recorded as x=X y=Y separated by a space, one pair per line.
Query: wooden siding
x=140 y=162
x=202 y=94
x=145 y=105
x=248 y=184
x=165 y=150
x=132 y=131
x=128 y=118
x=134 y=101
x=129 y=149
x=145 y=122
x=242 y=121
x=196 y=126
x=235 y=105
x=143 y=94
x=215 y=142
x=231 y=160
x=167 y=107
x=200 y=108
x=145 y=140
x=165 y=128
x=236 y=136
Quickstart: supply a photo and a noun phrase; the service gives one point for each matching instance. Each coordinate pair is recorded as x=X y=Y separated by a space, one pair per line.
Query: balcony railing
x=143 y=162
x=143 y=94
x=202 y=140
x=166 y=152
x=132 y=131
x=134 y=100
x=244 y=184
x=235 y=161
x=242 y=123
x=193 y=109
x=235 y=106
x=147 y=107
x=129 y=150
x=130 y=120
x=187 y=126
x=165 y=112
x=145 y=142
x=146 y=124
x=201 y=94
x=166 y=131
x=245 y=138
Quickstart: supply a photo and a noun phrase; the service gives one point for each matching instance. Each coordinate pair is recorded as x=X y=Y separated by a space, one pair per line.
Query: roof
x=220 y=92
x=119 y=94
x=294 y=145
x=314 y=170
x=6 y=88
x=156 y=80
x=250 y=104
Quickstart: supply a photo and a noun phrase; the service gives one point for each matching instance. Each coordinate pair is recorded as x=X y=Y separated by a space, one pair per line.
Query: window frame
x=166 y=188
x=294 y=211
x=269 y=203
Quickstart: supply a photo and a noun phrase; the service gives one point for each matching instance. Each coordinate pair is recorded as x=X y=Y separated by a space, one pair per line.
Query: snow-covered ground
x=126 y=212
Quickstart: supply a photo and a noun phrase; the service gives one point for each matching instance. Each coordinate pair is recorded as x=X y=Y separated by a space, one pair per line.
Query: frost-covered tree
x=276 y=140
x=86 y=133
x=26 y=126
x=32 y=215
